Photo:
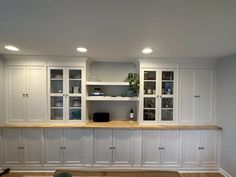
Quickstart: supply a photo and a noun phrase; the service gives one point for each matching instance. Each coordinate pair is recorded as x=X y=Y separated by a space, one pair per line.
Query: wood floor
x=51 y=174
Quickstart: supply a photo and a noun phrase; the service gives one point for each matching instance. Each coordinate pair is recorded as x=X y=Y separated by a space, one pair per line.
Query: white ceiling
x=119 y=29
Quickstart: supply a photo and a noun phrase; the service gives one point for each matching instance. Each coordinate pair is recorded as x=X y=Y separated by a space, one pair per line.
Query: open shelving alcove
x=109 y=79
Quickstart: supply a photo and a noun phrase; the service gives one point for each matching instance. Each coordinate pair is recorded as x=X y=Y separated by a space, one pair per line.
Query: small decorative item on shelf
x=97 y=92
x=131 y=114
x=133 y=80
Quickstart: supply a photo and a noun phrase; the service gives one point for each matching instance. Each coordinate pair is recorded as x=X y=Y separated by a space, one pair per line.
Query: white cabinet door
x=195 y=95
x=123 y=148
x=186 y=96
x=210 y=143
x=73 y=143
x=12 y=146
x=33 y=146
x=190 y=147
x=171 y=145
x=53 y=146
x=16 y=90
x=151 y=147
x=36 y=94
x=205 y=82
x=102 y=147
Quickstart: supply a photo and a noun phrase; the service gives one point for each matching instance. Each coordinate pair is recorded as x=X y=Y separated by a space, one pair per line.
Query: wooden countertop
x=112 y=124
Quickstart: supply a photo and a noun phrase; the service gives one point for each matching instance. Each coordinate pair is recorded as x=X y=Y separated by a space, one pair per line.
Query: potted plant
x=133 y=80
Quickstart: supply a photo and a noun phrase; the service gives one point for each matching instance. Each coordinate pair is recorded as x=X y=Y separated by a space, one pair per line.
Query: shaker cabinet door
x=53 y=146
x=12 y=146
x=102 y=147
x=73 y=143
x=36 y=94
x=151 y=147
x=16 y=90
x=33 y=146
x=123 y=148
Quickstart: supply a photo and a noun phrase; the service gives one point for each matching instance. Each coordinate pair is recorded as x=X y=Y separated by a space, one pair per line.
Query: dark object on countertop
x=101 y=117
x=5 y=172
x=63 y=174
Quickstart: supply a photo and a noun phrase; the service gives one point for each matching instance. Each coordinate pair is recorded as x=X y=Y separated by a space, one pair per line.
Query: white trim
x=223 y=172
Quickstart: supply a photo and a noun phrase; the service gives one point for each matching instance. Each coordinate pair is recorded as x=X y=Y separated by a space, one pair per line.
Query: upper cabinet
x=26 y=93
x=196 y=96
x=65 y=93
x=158 y=95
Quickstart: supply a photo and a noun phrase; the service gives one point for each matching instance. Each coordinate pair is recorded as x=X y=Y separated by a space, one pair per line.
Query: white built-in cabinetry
x=64 y=147
x=161 y=148
x=200 y=147
x=1 y=147
x=196 y=96
x=113 y=147
x=158 y=95
x=23 y=146
x=65 y=93
x=26 y=93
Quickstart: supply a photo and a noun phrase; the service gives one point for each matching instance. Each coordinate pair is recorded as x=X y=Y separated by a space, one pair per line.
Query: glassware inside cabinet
x=56 y=81
x=149 y=102
x=56 y=111
x=167 y=83
x=75 y=81
x=149 y=114
x=167 y=114
x=149 y=75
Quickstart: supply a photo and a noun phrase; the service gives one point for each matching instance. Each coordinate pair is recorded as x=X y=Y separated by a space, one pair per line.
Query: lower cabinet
x=200 y=148
x=64 y=147
x=81 y=147
x=113 y=147
x=23 y=147
x=161 y=148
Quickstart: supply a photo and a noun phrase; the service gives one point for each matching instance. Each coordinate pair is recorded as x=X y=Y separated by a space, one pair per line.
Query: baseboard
x=223 y=172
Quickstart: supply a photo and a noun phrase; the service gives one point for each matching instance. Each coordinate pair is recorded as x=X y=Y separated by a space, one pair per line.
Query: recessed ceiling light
x=11 y=47
x=82 y=49
x=147 y=50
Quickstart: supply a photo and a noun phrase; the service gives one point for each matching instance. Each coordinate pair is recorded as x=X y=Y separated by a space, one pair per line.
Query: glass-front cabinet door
x=149 y=99
x=167 y=96
x=65 y=94
x=157 y=95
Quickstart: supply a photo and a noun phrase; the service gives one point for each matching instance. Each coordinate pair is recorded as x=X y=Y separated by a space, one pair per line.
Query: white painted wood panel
x=186 y=96
x=171 y=145
x=73 y=143
x=190 y=145
x=33 y=146
x=137 y=147
x=210 y=143
x=151 y=144
x=16 y=88
x=53 y=146
x=36 y=90
x=12 y=146
x=205 y=91
x=88 y=147
x=123 y=148
x=102 y=147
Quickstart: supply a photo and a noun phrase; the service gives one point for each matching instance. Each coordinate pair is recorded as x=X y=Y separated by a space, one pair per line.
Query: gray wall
x=2 y=85
x=226 y=111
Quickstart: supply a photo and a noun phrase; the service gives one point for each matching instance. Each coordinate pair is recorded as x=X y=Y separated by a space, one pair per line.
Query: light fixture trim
x=147 y=50
x=12 y=48
x=82 y=49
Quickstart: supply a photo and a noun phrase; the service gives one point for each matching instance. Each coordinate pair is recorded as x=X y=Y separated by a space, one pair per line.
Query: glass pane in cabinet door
x=56 y=108
x=149 y=88
x=149 y=75
x=149 y=103
x=149 y=115
x=74 y=108
x=167 y=103
x=56 y=80
x=167 y=114
x=167 y=82
x=75 y=81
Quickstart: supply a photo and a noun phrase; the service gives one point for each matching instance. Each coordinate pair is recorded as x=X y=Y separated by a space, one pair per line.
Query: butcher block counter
x=112 y=125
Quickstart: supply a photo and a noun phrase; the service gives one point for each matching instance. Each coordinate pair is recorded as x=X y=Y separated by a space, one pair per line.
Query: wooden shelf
x=108 y=83
x=110 y=98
